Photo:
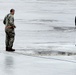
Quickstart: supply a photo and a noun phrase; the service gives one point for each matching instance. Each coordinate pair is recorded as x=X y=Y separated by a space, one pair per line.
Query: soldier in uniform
x=9 y=30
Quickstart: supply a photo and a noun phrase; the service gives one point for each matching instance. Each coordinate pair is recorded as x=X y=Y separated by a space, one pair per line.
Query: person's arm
x=11 y=21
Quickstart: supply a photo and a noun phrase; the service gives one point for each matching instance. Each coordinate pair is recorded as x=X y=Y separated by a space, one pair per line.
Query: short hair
x=12 y=10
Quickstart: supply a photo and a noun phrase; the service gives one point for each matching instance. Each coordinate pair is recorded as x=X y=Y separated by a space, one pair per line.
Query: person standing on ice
x=75 y=21
x=9 y=30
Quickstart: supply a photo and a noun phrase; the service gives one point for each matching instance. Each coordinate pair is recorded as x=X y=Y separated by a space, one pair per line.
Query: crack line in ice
x=45 y=57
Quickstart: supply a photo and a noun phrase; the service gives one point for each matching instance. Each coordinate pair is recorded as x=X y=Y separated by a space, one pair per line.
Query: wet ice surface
x=17 y=64
x=45 y=38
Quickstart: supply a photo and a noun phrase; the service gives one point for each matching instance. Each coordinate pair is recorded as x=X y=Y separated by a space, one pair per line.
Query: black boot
x=10 y=50
x=6 y=48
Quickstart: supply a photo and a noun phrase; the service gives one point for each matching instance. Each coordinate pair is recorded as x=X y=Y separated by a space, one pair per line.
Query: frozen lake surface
x=45 y=33
x=41 y=24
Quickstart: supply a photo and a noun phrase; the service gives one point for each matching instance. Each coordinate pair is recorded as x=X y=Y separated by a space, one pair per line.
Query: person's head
x=12 y=11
